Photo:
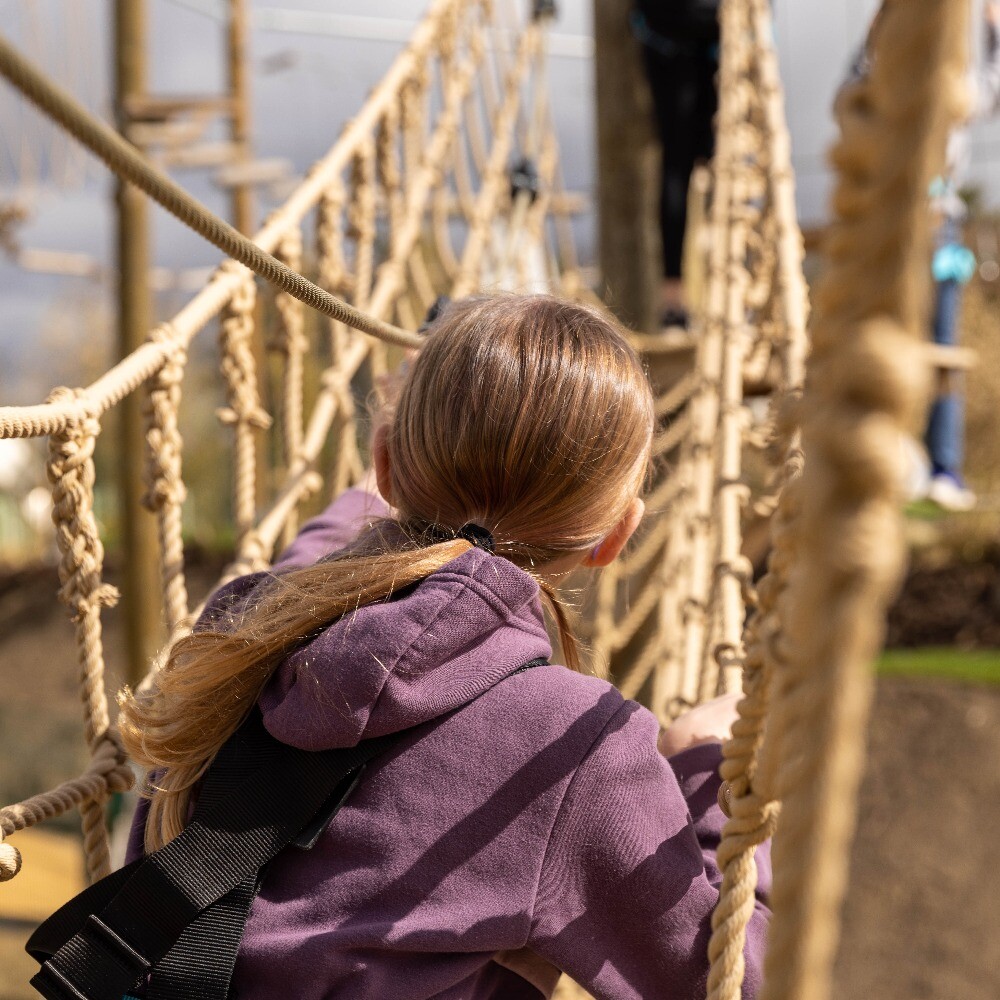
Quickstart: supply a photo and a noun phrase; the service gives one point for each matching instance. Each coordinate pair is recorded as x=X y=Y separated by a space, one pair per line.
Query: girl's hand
x=710 y=722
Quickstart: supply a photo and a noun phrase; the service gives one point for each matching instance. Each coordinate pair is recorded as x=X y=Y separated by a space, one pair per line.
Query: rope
x=725 y=263
x=127 y=162
x=165 y=490
x=107 y=773
x=864 y=387
x=71 y=472
x=752 y=807
x=292 y=343
x=244 y=412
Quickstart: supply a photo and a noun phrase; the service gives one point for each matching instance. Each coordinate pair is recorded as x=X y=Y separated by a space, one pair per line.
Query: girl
x=524 y=827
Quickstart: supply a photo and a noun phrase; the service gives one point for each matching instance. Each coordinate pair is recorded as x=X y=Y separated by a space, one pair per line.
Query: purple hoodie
x=535 y=829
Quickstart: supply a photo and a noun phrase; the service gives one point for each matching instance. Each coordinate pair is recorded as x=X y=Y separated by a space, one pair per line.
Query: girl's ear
x=610 y=547
x=383 y=468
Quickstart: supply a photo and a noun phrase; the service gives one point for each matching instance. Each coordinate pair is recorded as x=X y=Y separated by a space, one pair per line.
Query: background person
x=952 y=266
x=680 y=45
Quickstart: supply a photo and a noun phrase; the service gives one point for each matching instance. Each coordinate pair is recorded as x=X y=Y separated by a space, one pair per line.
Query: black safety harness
x=168 y=926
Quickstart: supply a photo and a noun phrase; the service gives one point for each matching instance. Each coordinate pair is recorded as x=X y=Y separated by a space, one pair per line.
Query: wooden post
x=242 y=198
x=141 y=589
x=628 y=171
x=239 y=118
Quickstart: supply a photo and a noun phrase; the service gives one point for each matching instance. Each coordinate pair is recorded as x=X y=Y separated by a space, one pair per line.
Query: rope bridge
x=416 y=200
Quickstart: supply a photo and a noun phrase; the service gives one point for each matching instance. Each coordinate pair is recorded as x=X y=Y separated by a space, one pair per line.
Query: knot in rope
x=728 y=654
x=410 y=109
x=312 y=483
x=10 y=860
x=329 y=238
x=71 y=471
x=447 y=39
x=110 y=762
x=164 y=484
x=238 y=366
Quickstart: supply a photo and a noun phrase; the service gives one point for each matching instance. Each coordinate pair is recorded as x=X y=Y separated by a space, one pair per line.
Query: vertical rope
x=438 y=73
x=790 y=287
x=413 y=117
x=361 y=221
x=752 y=807
x=724 y=258
x=332 y=267
x=71 y=472
x=387 y=163
x=863 y=389
x=244 y=412
x=292 y=344
x=165 y=491
x=333 y=274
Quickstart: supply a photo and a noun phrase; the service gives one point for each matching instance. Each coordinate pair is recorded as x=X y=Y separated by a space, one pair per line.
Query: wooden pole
x=141 y=590
x=627 y=168
x=242 y=205
x=237 y=55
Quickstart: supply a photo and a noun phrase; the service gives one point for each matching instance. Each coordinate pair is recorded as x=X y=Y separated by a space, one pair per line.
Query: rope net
x=415 y=200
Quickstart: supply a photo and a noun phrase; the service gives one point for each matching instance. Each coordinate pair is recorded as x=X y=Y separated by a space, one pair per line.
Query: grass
x=925 y=510
x=981 y=666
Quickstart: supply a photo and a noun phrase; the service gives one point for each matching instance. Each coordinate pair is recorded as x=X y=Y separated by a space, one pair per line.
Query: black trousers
x=685 y=102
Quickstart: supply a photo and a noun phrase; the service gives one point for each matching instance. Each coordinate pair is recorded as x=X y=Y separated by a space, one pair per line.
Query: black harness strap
x=225 y=843
x=182 y=910
x=200 y=965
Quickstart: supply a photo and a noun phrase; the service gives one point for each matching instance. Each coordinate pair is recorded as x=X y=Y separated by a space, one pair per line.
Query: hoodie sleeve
x=336 y=527
x=629 y=879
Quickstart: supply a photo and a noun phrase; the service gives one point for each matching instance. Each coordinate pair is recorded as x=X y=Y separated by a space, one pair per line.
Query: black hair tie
x=478 y=536
x=474 y=534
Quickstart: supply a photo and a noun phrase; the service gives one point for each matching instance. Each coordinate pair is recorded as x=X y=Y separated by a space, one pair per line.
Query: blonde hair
x=526 y=415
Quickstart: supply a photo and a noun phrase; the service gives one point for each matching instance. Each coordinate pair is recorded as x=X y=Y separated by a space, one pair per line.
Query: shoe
x=916 y=469
x=947 y=491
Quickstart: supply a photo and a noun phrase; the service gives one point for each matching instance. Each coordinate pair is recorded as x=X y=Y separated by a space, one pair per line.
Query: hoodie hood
x=398 y=663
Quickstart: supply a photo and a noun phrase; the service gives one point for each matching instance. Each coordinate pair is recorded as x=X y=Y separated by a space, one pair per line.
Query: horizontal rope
x=127 y=162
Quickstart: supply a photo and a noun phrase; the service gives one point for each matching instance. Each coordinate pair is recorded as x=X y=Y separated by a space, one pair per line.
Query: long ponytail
x=214 y=675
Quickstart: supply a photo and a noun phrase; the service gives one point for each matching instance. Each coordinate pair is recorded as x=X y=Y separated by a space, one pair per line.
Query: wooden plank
x=950 y=358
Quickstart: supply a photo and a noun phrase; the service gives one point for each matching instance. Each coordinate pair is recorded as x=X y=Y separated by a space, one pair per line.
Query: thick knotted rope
x=244 y=413
x=863 y=390
x=165 y=490
x=751 y=804
x=71 y=472
x=292 y=343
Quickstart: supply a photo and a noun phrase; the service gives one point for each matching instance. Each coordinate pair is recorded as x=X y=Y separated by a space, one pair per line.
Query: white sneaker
x=916 y=468
x=948 y=493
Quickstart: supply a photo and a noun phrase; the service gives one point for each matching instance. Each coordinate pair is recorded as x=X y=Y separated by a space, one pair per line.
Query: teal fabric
x=953 y=262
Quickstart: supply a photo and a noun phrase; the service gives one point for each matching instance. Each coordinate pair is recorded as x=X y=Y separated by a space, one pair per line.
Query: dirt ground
x=923 y=914
x=923 y=918
x=951 y=604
